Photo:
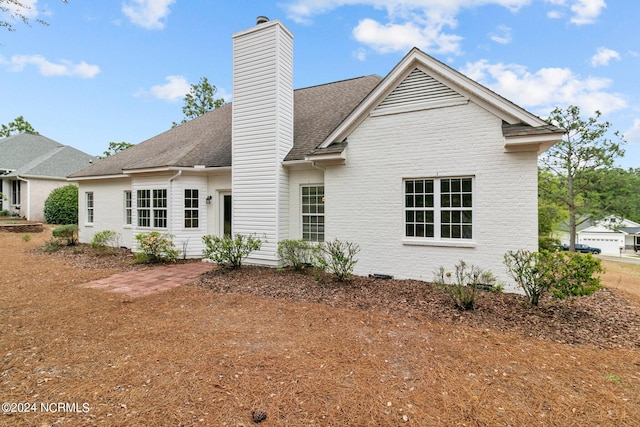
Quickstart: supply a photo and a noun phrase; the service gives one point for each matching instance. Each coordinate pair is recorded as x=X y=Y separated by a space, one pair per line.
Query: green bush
x=155 y=247
x=546 y=243
x=462 y=286
x=51 y=245
x=105 y=240
x=563 y=274
x=67 y=234
x=4 y=212
x=574 y=275
x=336 y=257
x=229 y=251
x=61 y=207
x=528 y=270
x=296 y=253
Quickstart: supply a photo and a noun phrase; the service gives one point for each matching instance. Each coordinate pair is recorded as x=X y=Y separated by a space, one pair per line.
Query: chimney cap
x=261 y=20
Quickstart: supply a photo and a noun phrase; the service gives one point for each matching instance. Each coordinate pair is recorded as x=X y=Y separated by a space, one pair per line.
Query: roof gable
x=440 y=85
x=418 y=90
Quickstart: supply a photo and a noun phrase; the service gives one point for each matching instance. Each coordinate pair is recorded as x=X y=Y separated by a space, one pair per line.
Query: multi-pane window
x=313 y=213
x=152 y=208
x=143 y=201
x=15 y=192
x=89 y=197
x=191 y=208
x=439 y=208
x=160 y=208
x=127 y=207
x=456 y=204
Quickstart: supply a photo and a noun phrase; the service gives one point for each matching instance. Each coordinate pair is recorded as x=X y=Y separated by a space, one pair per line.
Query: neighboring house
x=422 y=168
x=31 y=166
x=612 y=234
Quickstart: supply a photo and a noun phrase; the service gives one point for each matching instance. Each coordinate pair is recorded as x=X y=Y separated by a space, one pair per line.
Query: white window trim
x=90 y=209
x=130 y=208
x=151 y=209
x=302 y=214
x=437 y=240
x=185 y=209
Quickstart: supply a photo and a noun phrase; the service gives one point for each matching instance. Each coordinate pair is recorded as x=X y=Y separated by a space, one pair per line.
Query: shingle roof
x=522 y=129
x=206 y=140
x=36 y=155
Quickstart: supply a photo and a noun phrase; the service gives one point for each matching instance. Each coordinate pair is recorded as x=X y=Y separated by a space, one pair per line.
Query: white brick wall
x=364 y=198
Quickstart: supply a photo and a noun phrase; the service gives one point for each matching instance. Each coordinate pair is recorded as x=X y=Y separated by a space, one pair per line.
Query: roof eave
x=537 y=143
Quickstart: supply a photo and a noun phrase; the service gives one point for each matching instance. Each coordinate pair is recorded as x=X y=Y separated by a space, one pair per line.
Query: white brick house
x=421 y=168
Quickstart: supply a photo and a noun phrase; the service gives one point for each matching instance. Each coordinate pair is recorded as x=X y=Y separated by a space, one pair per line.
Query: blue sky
x=106 y=71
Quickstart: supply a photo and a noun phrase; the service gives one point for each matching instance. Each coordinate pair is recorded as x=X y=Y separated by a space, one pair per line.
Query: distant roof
x=206 y=140
x=31 y=155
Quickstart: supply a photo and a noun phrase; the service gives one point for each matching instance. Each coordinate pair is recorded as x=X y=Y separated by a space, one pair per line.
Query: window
x=191 y=208
x=15 y=192
x=160 y=208
x=127 y=207
x=313 y=213
x=144 y=208
x=152 y=210
x=439 y=208
x=89 y=198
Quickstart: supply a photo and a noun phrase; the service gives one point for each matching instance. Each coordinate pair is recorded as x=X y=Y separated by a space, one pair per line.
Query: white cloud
x=546 y=88
x=409 y=23
x=174 y=90
x=583 y=11
x=149 y=14
x=502 y=35
x=586 y=11
x=632 y=135
x=603 y=56
x=402 y=37
x=48 y=68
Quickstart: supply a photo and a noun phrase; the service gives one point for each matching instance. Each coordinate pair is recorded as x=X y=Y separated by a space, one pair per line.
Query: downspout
x=170 y=201
x=28 y=210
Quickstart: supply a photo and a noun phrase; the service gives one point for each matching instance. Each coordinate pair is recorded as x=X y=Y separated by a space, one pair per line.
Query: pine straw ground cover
x=382 y=353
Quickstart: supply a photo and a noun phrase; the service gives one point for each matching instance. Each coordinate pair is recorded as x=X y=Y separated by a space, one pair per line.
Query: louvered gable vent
x=418 y=90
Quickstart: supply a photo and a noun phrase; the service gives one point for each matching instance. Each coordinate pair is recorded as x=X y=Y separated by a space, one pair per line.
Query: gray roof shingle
x=206 y=140
x=36 y=155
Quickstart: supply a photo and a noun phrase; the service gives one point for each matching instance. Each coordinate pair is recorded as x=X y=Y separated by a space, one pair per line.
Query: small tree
x=584 y=149
x=61 y=207
x=200 y=100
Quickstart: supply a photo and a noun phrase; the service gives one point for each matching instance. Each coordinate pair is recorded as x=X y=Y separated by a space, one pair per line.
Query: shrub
x=546 y=243
x=104 y=240
x=574 y=275
x=68 y=234
x=155 y=247
x=51 y=245
x=528 y=270
x=296 y=253
x=336 y=257
x=229 y=251
x=562 y=273
x=61 y=207
x=462 y=286
x=4 y=212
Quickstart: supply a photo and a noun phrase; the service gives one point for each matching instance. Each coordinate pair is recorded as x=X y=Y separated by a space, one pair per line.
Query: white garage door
x=609 y=244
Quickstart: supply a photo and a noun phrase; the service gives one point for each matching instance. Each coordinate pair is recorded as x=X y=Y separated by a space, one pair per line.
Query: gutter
x=170 y=201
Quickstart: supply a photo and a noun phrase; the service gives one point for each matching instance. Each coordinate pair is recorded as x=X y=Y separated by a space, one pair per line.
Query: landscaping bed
x=282 y=345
